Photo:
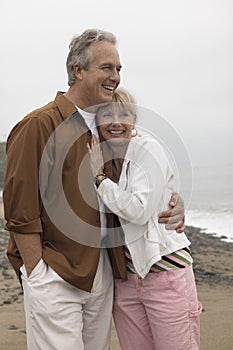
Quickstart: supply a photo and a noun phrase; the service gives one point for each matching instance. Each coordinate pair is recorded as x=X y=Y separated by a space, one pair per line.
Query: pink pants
x=160 y=312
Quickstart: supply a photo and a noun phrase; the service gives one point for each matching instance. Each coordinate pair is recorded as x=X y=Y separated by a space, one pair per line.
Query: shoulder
x=147 y=143
x=43 y=115
x=44 y=118
x=37 y=125
x=48 y=117
x=149 y=153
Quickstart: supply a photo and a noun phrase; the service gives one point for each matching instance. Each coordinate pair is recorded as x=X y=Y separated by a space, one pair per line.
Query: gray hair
x=79 y=53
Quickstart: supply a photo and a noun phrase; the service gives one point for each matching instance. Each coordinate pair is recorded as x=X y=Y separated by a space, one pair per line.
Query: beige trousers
x=62 y=317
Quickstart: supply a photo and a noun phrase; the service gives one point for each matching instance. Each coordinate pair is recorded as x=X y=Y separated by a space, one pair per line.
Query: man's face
x=103 y=75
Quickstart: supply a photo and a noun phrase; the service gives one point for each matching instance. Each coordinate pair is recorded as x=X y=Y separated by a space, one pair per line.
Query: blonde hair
x=123 y=96
x=126 y=99
x=122 y=99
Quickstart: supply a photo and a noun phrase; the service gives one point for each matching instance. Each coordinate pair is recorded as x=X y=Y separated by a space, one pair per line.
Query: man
x=66 y=276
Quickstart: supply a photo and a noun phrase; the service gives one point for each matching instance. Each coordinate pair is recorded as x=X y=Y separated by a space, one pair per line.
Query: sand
x=213 y=265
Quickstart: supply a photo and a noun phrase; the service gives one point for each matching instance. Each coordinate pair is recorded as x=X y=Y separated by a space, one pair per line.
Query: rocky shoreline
x=10 y=289
x=213 y=258
x=213 y=263
x=213 y=266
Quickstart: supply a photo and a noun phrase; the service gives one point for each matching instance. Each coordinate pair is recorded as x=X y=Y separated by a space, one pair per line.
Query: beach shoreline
x=213 y=266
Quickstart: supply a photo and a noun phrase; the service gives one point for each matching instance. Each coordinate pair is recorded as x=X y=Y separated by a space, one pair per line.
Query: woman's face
x=115 y=122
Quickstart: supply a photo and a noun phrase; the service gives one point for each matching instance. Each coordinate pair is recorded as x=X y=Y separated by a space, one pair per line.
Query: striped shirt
x=176 y=260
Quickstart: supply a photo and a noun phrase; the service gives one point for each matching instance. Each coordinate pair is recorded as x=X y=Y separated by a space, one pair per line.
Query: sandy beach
x=213 y=265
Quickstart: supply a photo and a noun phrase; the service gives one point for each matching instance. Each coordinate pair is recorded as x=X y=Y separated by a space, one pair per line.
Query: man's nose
x=115 y=75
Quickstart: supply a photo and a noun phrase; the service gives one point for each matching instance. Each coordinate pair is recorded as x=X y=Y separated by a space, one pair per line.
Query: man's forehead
x=105 y=52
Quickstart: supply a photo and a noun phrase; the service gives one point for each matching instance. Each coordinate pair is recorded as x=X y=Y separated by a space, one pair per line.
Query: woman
x=157 y=307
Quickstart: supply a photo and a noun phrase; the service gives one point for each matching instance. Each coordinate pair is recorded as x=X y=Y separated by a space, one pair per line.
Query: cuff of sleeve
x=104 y=185
x=33 y=226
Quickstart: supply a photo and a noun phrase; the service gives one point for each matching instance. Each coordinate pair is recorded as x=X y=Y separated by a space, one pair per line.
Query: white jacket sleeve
x=146 y=177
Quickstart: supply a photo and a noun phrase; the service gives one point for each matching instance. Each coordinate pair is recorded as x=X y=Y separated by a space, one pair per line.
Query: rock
x=12 y=327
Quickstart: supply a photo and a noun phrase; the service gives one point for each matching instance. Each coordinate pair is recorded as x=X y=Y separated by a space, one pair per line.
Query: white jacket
x=144 y=190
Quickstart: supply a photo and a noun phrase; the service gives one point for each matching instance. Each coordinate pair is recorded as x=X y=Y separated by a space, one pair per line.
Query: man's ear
x=78 y=72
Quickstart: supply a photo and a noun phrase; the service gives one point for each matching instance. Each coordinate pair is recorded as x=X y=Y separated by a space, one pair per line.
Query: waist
x=176 y=260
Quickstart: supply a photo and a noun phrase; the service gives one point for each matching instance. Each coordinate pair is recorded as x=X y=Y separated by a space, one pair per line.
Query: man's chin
x=107 y=98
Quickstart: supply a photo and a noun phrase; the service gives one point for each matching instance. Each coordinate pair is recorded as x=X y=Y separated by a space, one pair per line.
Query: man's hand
x=174 y=218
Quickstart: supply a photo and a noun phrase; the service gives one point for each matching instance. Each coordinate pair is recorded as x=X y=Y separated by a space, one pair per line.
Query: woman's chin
x=118 y=142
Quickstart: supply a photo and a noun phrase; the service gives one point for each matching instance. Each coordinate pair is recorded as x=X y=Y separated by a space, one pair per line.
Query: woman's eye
x=107 y=115
x=124 y=115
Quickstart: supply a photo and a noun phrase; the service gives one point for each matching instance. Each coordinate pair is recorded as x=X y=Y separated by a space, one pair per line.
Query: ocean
x=211 y=204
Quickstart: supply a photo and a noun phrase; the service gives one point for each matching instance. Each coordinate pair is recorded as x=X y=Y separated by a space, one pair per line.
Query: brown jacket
x=49 y=190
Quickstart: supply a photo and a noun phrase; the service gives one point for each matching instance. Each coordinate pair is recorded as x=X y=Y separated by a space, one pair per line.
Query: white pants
x=62 y=317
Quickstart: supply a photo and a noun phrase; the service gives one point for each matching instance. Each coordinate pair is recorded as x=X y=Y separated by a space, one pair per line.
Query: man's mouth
x=109 y=87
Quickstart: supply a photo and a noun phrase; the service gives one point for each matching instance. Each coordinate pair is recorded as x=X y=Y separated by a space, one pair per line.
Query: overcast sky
x=177 y=59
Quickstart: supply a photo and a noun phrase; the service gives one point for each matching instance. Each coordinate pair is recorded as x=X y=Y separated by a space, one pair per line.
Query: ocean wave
x=219 y=222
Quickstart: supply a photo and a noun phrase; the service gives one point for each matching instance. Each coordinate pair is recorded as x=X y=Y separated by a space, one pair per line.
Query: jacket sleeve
x=142 y=196
x=21 y=195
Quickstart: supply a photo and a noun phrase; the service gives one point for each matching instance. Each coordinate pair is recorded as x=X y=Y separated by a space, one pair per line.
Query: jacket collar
x=66 y=108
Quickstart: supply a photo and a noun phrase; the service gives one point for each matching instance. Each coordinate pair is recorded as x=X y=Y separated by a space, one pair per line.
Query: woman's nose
x=116 y=120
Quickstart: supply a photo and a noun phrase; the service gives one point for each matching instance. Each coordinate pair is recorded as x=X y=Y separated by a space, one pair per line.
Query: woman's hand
x=96 y=157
